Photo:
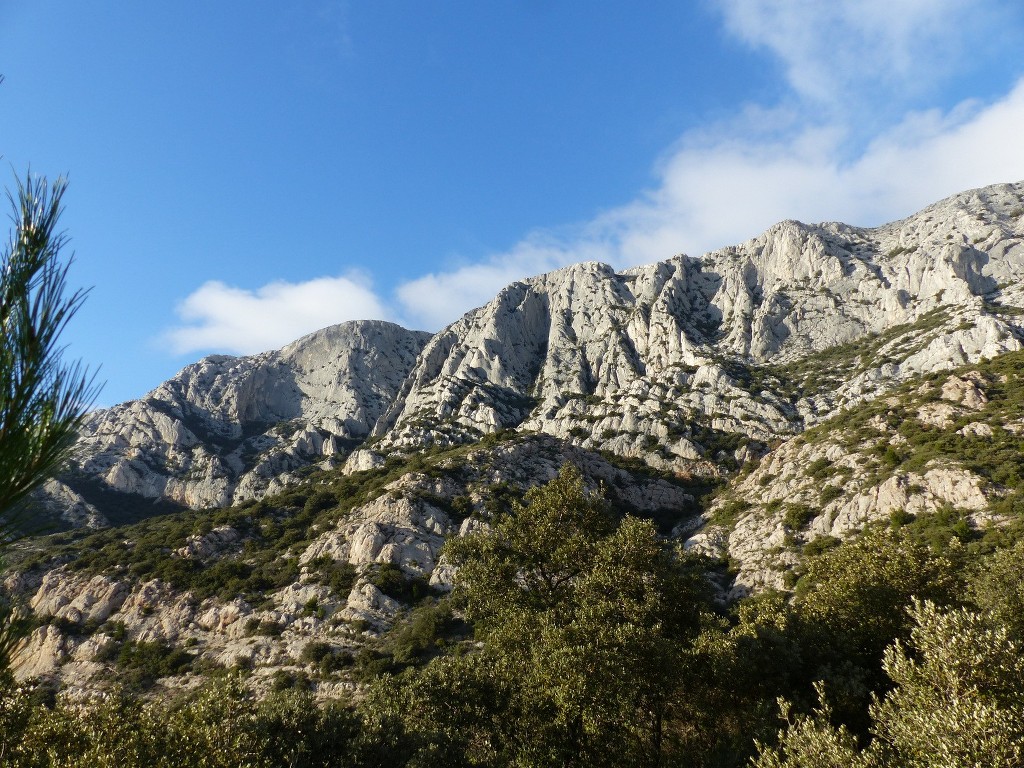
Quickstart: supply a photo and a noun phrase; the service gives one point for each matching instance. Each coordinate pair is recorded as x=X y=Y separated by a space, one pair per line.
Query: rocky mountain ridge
x=228 y=429
x=677 y=363
x=821 y=377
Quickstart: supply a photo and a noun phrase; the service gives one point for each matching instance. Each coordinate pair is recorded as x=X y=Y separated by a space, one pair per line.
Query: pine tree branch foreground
x=43 y=400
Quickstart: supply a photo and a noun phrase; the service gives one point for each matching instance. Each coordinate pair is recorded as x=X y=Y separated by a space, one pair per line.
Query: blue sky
x=244 y=172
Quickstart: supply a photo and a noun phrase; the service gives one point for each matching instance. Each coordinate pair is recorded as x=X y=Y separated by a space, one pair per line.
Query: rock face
x=948 y=445
x=648 y=361
x=691 y=364
x=654 y=381
x=228 y=429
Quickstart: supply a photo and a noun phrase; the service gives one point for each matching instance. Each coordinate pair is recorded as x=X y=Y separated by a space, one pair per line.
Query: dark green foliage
x=940 y=528
x=140 y=664
x=862 y=588
x=284 y=680
x=319 y=501
x=43 y=400
x=583 y=622
x=325 y=657
x=221 y=726
x=900 y=517
x=820 y=468
x=265 y=628
x=820 y=544
x=461 y=508
x=852 y=602
x=997 y=586
x=426 y=631
x=729 y=513
x=339 y=576
x=955 y=700
x=829 y=493
x=396 y=584
x=798 y=516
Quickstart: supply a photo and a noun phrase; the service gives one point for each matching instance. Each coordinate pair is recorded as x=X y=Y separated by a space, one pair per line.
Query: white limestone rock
x=227 y=429
x=79 y=599
x=655 y=362
x=214 y=544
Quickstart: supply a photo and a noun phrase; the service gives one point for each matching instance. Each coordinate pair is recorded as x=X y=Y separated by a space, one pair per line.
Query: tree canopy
x=582 y=621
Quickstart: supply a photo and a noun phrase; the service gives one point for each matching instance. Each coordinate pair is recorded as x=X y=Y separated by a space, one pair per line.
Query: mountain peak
x=676 y=363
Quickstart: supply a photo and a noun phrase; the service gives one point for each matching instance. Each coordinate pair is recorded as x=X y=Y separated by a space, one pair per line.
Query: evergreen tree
x=582 y=620
x=42 y=399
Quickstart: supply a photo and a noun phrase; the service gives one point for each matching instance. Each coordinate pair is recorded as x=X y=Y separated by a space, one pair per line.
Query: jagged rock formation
x=228 y=429
x=691 y=364
x=654 y=361
x=734 y=367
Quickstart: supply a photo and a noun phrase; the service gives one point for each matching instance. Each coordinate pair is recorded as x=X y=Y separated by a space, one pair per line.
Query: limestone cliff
x=825 y=376
x=692 y=364
x=227 y=429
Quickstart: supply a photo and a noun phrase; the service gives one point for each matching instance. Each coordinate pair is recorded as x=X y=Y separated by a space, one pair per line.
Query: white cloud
x=724 y=186
x=222 y=318
x=840 y=147
x=840 y=48
x=714 y=195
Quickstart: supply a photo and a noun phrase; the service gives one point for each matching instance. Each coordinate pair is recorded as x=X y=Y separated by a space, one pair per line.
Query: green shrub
x=319 y=501
x=393 y=582
x=820 y=544
x=728 y=514
x=421 y=632
x=462 y=507
x=269 y=628
x=798 y=516
x=284 y=680
x=820 y=468
x=142 y=663
x=900 y=517
x=325 y=656
x=829 y=493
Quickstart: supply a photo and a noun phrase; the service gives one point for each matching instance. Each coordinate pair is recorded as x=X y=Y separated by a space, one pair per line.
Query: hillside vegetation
x=763 y=508
x=585 y=638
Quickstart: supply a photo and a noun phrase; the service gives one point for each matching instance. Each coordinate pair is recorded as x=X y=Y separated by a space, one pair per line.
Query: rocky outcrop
x=660 y=362
x=904 y=457
x=228 y=429
x=692 y=364
x=402 y=525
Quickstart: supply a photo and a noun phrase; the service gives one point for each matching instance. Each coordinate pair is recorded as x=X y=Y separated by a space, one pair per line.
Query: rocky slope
x=690 y=364
x=825 y=376
x=227 y=429
x=945 y=452
x=331 y=566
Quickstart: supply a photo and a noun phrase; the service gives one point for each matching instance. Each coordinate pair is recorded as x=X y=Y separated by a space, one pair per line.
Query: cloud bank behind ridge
x=807 y=158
